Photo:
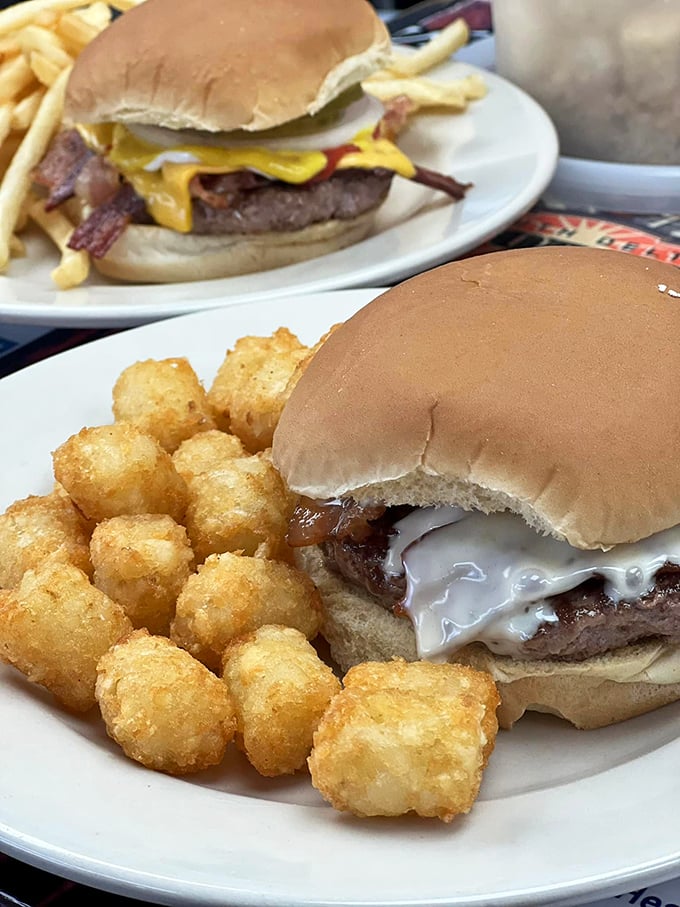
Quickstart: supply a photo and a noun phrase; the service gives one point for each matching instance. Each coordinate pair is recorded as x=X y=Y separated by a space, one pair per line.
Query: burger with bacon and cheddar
x=489 y=456
x=213 y=138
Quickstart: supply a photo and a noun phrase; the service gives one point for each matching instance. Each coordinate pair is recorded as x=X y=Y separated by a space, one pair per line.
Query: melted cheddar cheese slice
x=163 y=183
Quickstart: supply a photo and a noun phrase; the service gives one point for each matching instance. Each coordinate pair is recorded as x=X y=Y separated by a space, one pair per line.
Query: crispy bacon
x=441 y=182
x=219 y=190
x=99 y=231
x=395 y=117
x=97 y=182
x=59 y=169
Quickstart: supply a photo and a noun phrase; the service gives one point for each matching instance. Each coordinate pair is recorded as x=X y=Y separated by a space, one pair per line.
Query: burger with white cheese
x=489 y=459
x=214 y=138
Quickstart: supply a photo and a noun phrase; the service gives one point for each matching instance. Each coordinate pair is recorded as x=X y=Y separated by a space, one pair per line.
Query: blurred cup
x=606 y=71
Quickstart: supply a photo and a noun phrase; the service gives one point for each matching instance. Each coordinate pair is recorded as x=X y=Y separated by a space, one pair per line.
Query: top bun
x=219 y=66
x=542 y=381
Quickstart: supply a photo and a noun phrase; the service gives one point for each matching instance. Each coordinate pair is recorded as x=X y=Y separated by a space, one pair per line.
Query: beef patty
x=589 y=622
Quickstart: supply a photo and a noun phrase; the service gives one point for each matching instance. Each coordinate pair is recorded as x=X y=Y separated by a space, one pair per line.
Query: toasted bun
x=219 y=66
x=592 y=693
x=542 y=381
x=147 y=254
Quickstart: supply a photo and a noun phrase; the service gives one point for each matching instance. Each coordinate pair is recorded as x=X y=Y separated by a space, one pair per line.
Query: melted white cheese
x=476 y=577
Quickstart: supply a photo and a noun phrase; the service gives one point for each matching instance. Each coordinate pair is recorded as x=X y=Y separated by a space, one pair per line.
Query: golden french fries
x=39 y=41
x=74 y=266
x=17 y=179
x=436 y=51
x=453 y=94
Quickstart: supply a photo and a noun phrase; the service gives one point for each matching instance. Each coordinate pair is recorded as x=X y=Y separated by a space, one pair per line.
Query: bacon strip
x=99 y=231
x=441 y=182
x=59 y=169
x=219 y=190
x=395 y=117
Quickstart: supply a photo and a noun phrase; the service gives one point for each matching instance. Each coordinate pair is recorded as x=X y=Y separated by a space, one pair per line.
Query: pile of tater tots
x=155 y=582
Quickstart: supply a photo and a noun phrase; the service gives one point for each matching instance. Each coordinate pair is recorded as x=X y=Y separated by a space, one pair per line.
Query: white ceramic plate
x=564 y=816
x=504 y=144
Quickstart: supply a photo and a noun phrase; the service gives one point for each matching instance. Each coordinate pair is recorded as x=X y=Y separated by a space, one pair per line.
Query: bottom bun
x=590 y=694
x=149 y=254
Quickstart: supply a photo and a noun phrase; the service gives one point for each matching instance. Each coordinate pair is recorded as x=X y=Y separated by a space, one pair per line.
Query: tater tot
x=206 y=452
x=163 y=398
x=55 y=626
x=39 y=526
x=249 y=390
x=406 y=737
x=162 y=706
x=142 y=562
x=243 y=506
x=112 y=470
x=280 y=689
x=232 y=595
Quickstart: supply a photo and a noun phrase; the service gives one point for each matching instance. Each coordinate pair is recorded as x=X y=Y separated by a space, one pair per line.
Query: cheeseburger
x=215 y=138
x=489 y=459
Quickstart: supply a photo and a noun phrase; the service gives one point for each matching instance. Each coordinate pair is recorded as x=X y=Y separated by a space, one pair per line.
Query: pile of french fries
x=39 y=41
x=401 y=77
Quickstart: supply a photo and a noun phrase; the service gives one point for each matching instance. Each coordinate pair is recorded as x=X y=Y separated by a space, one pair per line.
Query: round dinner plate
x=504 y=144
x=564 y=816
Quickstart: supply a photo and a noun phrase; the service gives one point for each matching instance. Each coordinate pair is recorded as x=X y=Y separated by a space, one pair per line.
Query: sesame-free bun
x=542 y=381
x=151 y=254
x=220 y=65
x=597 y=692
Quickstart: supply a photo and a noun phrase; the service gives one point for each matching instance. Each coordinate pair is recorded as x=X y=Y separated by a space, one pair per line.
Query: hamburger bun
x=292 y=58
x=541 y=381
x=151 y=254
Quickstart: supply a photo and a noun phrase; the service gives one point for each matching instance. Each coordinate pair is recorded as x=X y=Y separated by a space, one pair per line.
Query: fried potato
x=111 y=470
x=74 y=266
x=406 y=737
x=453 y=94
x=16 y=180
x=436 y=51
x=243 y=506
x=142 y=562
x=231 y=595
x=37 y=527
x=163 y=398
x=55 y=626
x=206 y=452
x=162 y=706
x=249 y=390
x=280 y=688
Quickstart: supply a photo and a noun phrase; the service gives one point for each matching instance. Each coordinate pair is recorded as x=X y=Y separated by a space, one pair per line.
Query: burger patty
x=280 y=207
x=589 y=622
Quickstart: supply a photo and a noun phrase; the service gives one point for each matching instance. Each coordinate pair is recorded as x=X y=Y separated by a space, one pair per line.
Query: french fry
x=17 y=178
x=453 y=95
x=74 y=266
x=26 y=109
x=22 y=14
x=440 y=48
x=123 y=5
x=9 y=46
x=45 y=70
x=46 y=42
x=15 y=76
x=5 y=121
x=75 y=32
x=97 y=14
x=17 y=246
